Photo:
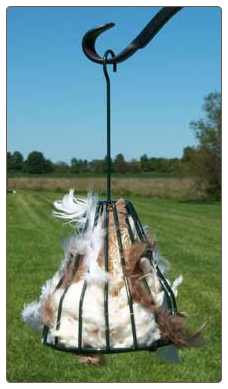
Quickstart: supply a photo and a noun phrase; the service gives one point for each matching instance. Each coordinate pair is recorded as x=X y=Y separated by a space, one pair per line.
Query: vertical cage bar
x=74 y=270
x=130 y=304
x=106 y=248
x=80 y=315
x=80 y=321
x=171 y=301
x=172 y=305
x=132 y=212
x=60 y=312
x=45 y=333
x=130 y=229
x=108 y=140
x=76 y=262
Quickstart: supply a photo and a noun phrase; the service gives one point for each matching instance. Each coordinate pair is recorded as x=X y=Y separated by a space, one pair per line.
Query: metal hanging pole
x=108 y=107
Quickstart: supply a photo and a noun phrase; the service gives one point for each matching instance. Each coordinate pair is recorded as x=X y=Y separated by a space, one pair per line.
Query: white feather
x=31 y=314
x=178 y=281
x=90 y=242
x=162 y=263
x=75 y=210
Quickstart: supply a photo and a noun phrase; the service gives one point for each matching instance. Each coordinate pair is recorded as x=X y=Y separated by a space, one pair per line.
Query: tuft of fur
x=91 y=359
x=135 y=253
x=174 y=329
x=139 y=293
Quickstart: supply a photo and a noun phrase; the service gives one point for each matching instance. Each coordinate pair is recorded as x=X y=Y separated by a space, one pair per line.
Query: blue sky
x=56 y=96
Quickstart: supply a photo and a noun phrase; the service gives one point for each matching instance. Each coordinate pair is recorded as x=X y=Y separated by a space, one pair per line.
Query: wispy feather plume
x=89 y=242
x=161 y=261
x=74 y=209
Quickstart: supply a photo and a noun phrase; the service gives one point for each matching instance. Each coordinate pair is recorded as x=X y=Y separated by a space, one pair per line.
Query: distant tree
x=15 y=160
x=120 y=165
x=188 y=154
x=61 y=167
x=189 y=160
x=36 y=163
x=160 y=165
x=83 y=163
x=104 y=165
x=99 y=166
x=207 y=162
x=96 y=166
x=75 y=166
x=175 y=165
x=9 y=161
x=48 y=166
x=79 y=166
x=145 y=163
x=134 y=166
x=154 y=166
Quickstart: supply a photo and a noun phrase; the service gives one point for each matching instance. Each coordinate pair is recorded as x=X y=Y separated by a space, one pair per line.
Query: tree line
x=36 y=163
x=203 y=161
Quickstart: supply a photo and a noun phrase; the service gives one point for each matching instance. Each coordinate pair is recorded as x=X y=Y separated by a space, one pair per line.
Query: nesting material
x=86 y=250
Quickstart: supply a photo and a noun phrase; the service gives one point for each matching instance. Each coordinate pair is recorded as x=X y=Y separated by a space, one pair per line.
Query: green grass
x=189 y=236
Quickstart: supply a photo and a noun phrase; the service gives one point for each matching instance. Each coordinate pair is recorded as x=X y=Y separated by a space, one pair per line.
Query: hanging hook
x=105 y=60
x=144 y=37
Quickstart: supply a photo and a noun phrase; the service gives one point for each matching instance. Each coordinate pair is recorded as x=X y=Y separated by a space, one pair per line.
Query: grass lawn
x=189 y=237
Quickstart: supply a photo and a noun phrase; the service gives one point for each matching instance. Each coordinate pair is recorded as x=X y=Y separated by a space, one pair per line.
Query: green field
x=189 y=235
x=122 y=186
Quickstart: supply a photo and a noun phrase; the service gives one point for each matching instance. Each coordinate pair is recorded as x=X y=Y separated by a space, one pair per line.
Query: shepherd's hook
x=142 y=39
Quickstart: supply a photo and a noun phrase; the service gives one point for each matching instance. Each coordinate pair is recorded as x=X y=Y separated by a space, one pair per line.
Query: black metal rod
x=74 y=270
x=131 y=210
x=80 y=315
x=81 y=301
x=60 y=311
x=130 y=232
x=171 y=301
x=106 y=248
x=90 y=350
x=108 y=108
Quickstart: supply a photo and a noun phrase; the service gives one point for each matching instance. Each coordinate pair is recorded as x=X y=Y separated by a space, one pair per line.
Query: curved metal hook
x=144 y=37
x=105 y=61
